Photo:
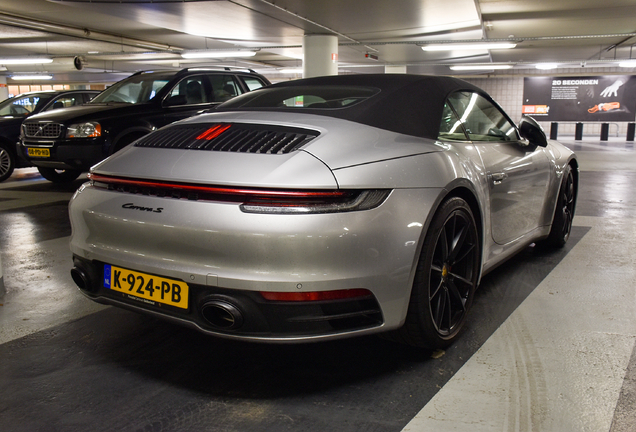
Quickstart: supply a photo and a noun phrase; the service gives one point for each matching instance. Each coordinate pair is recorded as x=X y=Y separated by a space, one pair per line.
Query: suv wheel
x=59 y=175
x=7 y=163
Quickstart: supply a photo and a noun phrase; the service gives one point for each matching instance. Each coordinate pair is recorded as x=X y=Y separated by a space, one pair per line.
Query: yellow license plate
x=146 y=288
x=38 y=152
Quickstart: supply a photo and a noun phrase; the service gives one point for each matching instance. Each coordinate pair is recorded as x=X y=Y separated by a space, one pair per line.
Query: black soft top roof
x=407 y=104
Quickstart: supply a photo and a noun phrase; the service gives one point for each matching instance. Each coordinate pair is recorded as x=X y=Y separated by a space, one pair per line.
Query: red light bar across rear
x=272 y=193
x=254 y=200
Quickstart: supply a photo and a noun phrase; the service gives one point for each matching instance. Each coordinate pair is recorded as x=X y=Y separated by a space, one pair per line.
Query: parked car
x=64 y=143
x=323 y=208
x=14 y=110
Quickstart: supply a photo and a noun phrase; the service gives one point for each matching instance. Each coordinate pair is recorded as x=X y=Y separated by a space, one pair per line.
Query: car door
x=517 y=173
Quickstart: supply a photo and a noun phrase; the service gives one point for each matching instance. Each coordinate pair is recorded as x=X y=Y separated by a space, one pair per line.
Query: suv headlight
x=84 y=130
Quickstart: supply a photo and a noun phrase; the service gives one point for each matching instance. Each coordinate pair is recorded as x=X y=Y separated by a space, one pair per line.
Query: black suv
x=14 y=110
x=64 y=143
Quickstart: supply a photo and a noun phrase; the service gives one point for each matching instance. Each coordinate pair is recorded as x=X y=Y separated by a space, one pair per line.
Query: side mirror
x=175 y=100
x=532 y=131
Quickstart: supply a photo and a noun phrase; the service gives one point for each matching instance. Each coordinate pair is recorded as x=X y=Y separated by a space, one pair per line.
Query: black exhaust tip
x=81 y=279
x=222 y=314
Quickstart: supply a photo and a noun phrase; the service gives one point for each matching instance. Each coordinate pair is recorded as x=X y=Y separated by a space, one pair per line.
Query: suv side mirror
x=532 y=131
x=175 y=100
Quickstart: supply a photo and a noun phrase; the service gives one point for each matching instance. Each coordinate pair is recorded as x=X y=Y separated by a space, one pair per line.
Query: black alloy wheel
x=564 y=213
x=446 y=278
x=7 y=163
x=59 y=175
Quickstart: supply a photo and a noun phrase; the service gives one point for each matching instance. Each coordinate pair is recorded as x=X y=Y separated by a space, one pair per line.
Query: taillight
x=344 y=201
x=252 y=200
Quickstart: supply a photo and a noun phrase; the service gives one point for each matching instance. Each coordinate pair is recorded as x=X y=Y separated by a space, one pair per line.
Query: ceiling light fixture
x=547 y=66
x=31 y=77
x=480 y=67
x=25 y=60
x=217 y=54
x=628 y=64
x=469 y=46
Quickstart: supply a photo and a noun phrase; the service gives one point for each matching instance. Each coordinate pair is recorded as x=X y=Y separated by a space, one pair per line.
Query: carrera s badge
x=132 y=206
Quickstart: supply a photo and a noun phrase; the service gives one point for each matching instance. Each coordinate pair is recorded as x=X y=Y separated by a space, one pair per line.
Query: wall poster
x=595 y=98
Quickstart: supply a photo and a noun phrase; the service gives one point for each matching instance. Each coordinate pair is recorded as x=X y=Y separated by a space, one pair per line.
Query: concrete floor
x=549 y=345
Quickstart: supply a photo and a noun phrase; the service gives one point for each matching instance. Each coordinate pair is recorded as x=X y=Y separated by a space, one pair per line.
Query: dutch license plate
x=38 y=152
x=152 y=289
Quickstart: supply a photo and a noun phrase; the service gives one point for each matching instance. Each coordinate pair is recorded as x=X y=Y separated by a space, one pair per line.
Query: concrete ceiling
x=113 y=38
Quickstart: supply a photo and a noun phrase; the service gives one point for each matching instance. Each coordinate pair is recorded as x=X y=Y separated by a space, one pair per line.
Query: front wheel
x=7 y=163
x=59 y=175
x=445 y=279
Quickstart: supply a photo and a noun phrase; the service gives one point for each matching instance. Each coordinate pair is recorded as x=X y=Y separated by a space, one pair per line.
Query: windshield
x=137 y=89
x=313 y=97
x=22 y=105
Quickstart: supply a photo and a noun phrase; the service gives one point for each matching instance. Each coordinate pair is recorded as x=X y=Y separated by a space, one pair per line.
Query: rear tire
x=564 y=213
x=59 y=175
x=445 y=279
x=7 y=163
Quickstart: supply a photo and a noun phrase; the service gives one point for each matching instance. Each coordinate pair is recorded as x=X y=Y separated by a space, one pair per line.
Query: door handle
x=497 y=178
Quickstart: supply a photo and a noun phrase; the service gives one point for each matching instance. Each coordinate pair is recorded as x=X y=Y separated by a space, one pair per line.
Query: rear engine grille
x=42 y=130
x=230 y=137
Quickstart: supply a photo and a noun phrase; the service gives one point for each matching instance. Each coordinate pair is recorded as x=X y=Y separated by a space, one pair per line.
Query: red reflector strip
x=316 y=295
x=271 y=193
x=213 y=132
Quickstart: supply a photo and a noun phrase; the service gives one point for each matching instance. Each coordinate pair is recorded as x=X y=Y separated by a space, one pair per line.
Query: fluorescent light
x=217 y=54
x=31 y=77
x=480 y=67
x=469 y=46
x=26 y=60
x=546 y=66
x=628 y=64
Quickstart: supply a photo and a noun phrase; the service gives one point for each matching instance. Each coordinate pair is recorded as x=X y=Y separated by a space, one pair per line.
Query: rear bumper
x=246 y=315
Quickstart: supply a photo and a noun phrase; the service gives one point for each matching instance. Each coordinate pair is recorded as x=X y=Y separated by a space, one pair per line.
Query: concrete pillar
x=320 y=55
x=4 y=89
x=388 y=69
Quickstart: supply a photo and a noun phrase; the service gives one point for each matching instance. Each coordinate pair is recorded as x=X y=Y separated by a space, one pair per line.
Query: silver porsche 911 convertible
x=322 y=208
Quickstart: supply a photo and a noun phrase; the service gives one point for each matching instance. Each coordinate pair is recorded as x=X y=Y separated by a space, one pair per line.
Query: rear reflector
x=316 y=295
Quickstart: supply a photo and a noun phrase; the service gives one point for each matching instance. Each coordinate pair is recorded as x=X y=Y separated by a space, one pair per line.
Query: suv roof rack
x=196 y=68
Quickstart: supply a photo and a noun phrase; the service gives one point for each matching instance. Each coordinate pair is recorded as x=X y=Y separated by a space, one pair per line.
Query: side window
x=189 y=91
x=483 y=120
x=253 y=83
x=224 y=87
x=451 y=127
x=20 y=106
x=66 y=101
